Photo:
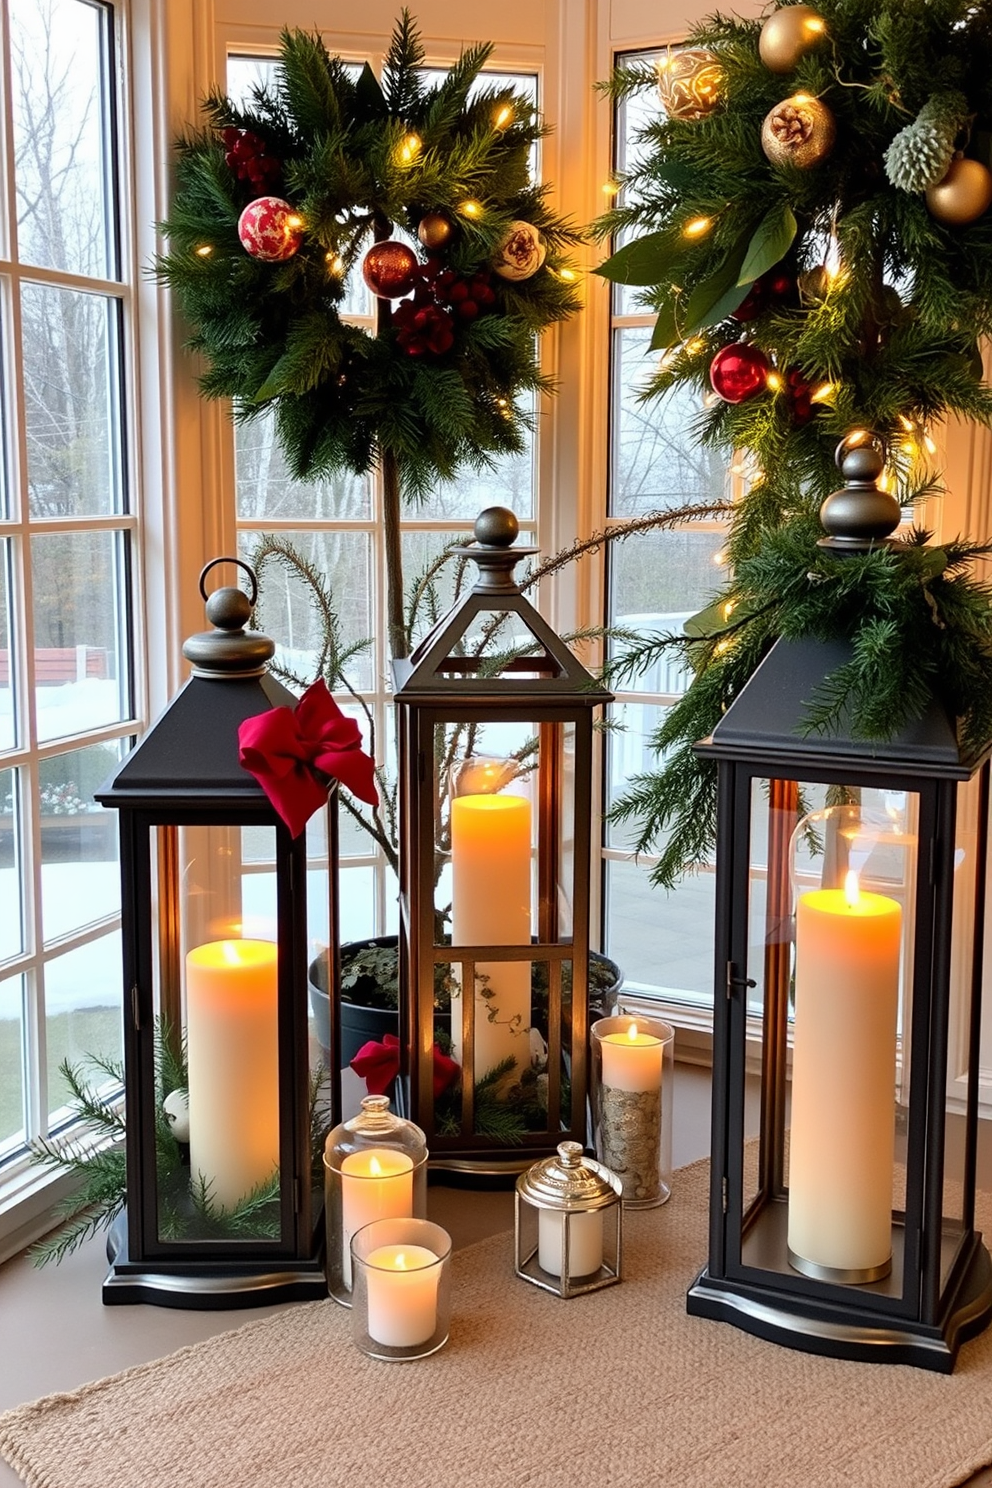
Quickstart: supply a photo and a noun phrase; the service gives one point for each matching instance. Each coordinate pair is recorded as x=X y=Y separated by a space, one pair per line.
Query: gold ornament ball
x=689 y=83
x=434 y=230
x=963 y=195
x=799 y=131
x=788 y=35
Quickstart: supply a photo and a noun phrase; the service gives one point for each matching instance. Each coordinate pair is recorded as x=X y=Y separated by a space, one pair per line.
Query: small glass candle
x=401 y=1288
x=631 y=1072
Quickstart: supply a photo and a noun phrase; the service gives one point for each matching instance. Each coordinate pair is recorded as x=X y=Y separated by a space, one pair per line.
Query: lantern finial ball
x=497 y=527
x=229 y=608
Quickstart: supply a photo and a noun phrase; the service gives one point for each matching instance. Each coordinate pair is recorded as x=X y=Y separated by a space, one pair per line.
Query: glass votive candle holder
x=375 y=1167
x=632 y=1067
x=401 y=1288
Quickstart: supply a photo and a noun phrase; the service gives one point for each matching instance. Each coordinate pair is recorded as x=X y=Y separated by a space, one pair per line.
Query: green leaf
x=713 y=300
x=668 y=326
x=370 y=102
x=773 y=237
x=645 y=261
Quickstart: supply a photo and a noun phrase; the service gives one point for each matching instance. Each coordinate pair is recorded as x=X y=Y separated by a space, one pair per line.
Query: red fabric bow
x=288 y=750
x=379 y=1064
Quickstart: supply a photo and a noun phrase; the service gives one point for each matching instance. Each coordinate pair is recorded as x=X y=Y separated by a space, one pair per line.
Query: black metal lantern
x=850 y=902
x=495 y=767
x=221 y=1195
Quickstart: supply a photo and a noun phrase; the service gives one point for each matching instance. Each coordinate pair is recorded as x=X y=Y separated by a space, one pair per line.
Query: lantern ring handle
x=238 y=563
x=868 y=438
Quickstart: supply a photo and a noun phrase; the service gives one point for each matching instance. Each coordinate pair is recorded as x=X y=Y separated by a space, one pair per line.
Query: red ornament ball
x=390 y=269
x=270 y=229
x=738 y=371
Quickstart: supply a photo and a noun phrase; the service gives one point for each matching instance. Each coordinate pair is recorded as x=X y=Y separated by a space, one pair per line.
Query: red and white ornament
x=520 y=253
x=738 y=372
x=270 y=229
x=390 y=269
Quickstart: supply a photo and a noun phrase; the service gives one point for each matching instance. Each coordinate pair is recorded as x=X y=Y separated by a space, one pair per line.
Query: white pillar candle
x=585 y=1242
x=843 y=1078
x=632 y=1060
x=490 y=905
x=232 y=1036
x=402 y=1282
x=375 y=1184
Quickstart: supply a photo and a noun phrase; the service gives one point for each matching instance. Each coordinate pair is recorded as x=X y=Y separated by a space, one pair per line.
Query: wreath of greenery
x=362 y=161
x=866 y=309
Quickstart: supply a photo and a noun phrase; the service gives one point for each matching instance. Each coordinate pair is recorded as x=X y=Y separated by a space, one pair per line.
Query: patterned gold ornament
x=788 y=34
x=689 y=83
x=963 y=195
x=798 y=131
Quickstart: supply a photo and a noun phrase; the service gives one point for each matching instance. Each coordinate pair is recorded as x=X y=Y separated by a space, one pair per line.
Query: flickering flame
x=632 y=1032
x=697 y=227
x=401 y=1263
x=375 y=1168
x=470 y=208
x=852 y=891
x=205 y=250
x=504 y=117
x=410 y=149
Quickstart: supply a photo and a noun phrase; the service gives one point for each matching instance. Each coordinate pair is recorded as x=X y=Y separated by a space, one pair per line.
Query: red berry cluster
x=441 y=297
x=776 y=287
x=799 y=393
x=247 y=155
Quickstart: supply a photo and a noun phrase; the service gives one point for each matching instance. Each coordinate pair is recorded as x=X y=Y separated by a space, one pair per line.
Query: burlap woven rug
x=619 y=1387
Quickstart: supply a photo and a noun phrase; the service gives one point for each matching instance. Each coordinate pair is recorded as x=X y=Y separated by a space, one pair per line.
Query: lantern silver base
x=815 y=1325
x=202 y=1286
x=845 y=1276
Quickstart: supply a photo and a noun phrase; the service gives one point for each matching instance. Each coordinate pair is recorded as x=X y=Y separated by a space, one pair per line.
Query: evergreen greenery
x=96 y=1158
x=274 y=335
x=868 y=311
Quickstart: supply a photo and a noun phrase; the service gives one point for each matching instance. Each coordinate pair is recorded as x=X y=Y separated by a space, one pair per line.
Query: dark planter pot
x=359 y=1024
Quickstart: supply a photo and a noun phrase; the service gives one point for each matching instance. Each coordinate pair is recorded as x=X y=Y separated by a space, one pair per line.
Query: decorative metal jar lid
x=229 y=650
x=570 y=1180
x=375 y=1126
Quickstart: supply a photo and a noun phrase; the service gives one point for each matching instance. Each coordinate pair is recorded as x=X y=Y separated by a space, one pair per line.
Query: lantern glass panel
x=215 y=979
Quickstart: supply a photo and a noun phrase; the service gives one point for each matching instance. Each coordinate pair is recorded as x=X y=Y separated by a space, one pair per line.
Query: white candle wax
x=843 y=1078
x=375 y=1184
x=402 y=1283
x=232 y=1036
x=490 y=905
x=632 y=1060
x=585 y=1242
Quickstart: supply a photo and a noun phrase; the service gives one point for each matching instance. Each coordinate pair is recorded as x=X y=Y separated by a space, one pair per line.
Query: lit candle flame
x=632 y=1032
x=375 y=1168
x=504 y=117
x=852 y=892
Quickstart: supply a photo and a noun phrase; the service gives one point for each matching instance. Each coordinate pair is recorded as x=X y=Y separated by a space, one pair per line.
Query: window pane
x=11 y=885
x=265 y=490
x=80 y=665
x=71 y=402
x=287 y=611
x=11 y=1063
x=510 y=483
x=80 y=876
x=656 y=462
x=8 y=722
x=660 y=579
x=58 y=68
x=83 y=1010
x=662 y=942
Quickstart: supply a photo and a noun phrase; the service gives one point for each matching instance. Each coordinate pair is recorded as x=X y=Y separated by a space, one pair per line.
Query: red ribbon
x=379 y=1064
x=291 y=751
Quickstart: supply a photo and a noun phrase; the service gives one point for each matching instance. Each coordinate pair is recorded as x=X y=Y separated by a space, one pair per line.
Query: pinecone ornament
x=920 y=155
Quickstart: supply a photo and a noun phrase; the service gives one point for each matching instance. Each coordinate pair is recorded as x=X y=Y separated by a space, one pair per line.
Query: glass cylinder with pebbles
x=631 y=1069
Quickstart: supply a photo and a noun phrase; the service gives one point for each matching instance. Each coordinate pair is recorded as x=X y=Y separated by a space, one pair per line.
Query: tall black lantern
x=850 y=886
x=220 y=1190
x=495 y=766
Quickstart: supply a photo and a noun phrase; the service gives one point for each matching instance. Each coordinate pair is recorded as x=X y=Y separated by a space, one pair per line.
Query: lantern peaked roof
x=190 y=755
x=536 y=664
x=766 y=722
